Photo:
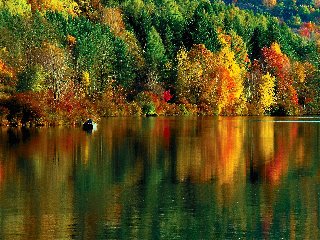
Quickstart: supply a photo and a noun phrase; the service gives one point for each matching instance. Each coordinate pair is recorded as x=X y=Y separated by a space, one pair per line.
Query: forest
x=63 y=61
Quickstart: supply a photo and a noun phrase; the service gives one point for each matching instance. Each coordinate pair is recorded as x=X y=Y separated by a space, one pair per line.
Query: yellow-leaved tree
x=279 y=65
x=267 y=92
x=231 y=78
x=213 y=81
x=16 y=7
x=63 y=6
x=190 y=82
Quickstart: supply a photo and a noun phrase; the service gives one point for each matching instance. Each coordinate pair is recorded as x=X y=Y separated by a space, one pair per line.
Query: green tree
x=55 y=62
x=202 y=29
x=155 y=51
x=169 y=43
x=139 y=15
x=256 y=43
x=102 y=65
x=239 y=47
x=124 y=66
x=273 y=32
x=32 y=79
x=169 y=15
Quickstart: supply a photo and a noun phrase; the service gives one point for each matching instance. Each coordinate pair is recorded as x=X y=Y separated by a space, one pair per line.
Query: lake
x=163 y=178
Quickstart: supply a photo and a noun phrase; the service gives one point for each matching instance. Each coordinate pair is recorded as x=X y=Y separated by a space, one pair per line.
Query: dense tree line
x=65 y=60
x=293 y=12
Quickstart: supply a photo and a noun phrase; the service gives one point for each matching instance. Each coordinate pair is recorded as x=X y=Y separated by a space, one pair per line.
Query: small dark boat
x=88 y=125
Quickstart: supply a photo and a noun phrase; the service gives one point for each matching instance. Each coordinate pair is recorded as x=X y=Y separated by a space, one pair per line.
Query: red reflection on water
x=285 y=143
x=166 y=133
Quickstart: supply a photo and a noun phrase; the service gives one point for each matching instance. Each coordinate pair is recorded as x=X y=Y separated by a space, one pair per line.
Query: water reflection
x=170 y=178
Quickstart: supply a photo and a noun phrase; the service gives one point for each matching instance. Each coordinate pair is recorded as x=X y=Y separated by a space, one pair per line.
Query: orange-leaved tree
x=7 y=79
x=231 y=79
x=213 y=81
x=278 y=64
x=63 y=6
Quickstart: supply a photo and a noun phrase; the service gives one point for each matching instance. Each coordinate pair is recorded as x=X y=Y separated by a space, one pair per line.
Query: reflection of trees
x=292 y=153
x=275 y=144
x=36 y=170
x=165 y=178
x=209 y=150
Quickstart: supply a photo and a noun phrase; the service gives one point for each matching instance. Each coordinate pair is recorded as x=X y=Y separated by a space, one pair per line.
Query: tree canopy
x=210 y=57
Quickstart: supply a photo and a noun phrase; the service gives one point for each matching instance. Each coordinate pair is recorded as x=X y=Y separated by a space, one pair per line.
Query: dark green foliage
x=14 y=23
x=256 y=43
x=31 y=79
x=141 y=22
x=12 y=38
x=96 y=50
x=273 y=33
x=169 y=43
x=124 y=68
x=202 y=30
x=155 y=50
x=39 y=30
x=286 y=10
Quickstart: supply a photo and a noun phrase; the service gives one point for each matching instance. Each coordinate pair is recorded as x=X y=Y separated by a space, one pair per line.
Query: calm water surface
x=163 y=178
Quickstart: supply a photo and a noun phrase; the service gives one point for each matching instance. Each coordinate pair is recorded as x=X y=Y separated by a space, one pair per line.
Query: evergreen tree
x=124 y=67
x=256 y=43
x=155 y=51
x=202 y=29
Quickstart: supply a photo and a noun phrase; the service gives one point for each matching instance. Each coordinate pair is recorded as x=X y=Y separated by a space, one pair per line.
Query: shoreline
x=6 y=124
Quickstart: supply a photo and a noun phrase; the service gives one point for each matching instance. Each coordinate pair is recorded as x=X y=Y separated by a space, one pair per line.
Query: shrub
x=3 y=115
x=149 y=109
x=147 y=101
x=112 y=102
x=23 y=108
x=70 y=109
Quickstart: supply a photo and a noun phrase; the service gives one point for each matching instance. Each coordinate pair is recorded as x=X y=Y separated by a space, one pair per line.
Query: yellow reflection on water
x=266 y=140
x=210 y=151
x=60 y=182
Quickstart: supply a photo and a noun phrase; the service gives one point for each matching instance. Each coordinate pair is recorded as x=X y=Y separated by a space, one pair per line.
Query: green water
x=163 y=178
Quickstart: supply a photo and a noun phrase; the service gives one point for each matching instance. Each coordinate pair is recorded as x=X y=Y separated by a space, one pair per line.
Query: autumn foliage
x=279 y=65
x=212 y=81
x=76 y=59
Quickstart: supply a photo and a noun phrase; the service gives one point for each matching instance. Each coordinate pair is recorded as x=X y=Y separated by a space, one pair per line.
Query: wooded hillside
x=62 y=61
